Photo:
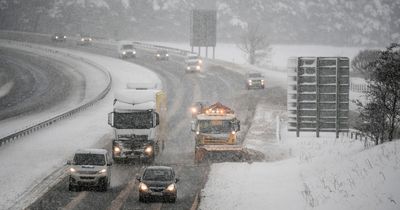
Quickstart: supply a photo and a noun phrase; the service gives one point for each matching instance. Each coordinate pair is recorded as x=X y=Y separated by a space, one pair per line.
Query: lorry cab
x=138 y=119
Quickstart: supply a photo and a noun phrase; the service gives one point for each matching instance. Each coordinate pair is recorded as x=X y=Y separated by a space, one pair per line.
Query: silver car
x=255 y=80
x=90 y=167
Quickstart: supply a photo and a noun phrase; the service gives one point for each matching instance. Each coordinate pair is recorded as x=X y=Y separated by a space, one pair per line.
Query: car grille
x=157 y=189
x=87 y=172
x=87 y=177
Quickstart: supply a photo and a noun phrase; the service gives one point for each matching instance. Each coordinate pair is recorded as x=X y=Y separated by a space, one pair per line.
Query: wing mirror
x=69 y=162
x=193 y=126
x=138 y=178
x=157 y=119
x=176 y=180
x=111 y=119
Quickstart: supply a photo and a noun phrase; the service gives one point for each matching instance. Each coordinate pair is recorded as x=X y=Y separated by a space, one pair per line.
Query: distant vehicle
x=126 y=51
x=85 y=40
x=158 y=181
x=197 y=108
x=193 y=63
x=90 y=167
x=162 y=55
x=255 y=80
x=59 y=37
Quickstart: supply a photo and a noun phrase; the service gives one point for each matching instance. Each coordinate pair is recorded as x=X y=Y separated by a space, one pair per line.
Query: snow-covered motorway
x=216 y=84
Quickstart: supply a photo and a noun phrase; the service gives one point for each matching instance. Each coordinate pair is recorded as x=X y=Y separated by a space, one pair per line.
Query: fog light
x=117 y=149
x=148 y=150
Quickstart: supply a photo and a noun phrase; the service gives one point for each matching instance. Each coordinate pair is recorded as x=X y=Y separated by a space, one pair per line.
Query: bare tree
x=380 y=116
x=361 y=62
x=254 y=43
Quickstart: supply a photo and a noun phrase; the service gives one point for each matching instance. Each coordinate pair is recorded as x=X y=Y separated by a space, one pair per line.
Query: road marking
x=72 y=204
x=117 y=203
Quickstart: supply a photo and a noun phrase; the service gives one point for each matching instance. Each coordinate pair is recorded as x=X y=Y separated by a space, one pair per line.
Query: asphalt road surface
x=213 y=84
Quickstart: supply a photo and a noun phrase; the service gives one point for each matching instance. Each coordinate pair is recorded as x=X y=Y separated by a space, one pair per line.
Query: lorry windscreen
x=137 y=120
x=89 y=159
x=215 y=126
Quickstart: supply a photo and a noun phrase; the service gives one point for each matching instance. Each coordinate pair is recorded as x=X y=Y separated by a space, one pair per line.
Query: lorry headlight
x=198 y=67
x=82 y=39
x=158 y=55
x=194 y=110
x=233 y=132
x=200 y=61
x=171 y=187
x=188 y=68
x=134 y=52
x=102 y=171
x=250 y=82
x=148 y=150
x=262 y=81
x=117 y=149
x=197 y=132
x=143 y=187
x=72 y=170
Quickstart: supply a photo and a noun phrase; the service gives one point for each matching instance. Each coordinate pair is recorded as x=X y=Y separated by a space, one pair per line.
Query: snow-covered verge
x=26 y=163
x=312 y=173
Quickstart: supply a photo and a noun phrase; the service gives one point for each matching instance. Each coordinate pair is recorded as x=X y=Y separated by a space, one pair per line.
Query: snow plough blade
x=221 y=153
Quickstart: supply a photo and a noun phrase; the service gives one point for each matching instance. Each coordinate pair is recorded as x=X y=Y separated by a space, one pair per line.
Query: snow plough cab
x=215 y=128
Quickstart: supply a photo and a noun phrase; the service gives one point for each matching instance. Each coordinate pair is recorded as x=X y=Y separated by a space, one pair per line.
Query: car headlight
x=166 y=55
x=90 y=39
x=262 y=81
x=56 y=37
x=65 y=37
x=233 y=132
x=198 y=67
x=148 y=150
x=250 y=81
x=171 y=187
x=123 y=53
x=200 y=61
x=188 y=68
x=197 y=132
x=102 y=171
x=117 y=149
x=82 y=39
x=158 y=55
x=143 y=187
x=72 y=170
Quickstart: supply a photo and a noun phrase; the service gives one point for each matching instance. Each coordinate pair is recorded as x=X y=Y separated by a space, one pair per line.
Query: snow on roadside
x=25 y=163
x=320 y=173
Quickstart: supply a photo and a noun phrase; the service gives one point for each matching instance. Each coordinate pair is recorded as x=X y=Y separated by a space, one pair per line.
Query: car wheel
x=142 y=199
x=71 y=187
x=103 y=185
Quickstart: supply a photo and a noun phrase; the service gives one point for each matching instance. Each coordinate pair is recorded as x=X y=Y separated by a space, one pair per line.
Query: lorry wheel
x=71 y=187
x=142 y=199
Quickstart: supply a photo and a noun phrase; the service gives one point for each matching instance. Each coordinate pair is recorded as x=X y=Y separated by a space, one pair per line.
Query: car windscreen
x=138 y=120
x=255 y=75
x=127 y=47
x=89 y=159
x=215 y=126
x=158 y=175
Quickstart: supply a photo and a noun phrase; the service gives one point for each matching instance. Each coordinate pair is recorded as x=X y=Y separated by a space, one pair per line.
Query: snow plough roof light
x=218 y=109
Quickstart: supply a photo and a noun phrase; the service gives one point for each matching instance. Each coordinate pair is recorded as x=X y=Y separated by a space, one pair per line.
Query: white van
x=90 y=167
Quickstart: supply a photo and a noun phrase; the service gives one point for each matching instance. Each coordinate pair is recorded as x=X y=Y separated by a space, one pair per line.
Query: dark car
x=158 y=181
x=59 y=37
x=162 y=55
x=255 y=80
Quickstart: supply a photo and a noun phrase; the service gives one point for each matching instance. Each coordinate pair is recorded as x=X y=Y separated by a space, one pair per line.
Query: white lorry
x=139 y=123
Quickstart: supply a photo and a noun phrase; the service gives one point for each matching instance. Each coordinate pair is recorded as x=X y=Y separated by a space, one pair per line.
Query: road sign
x=203 y=28
x=318 y=94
